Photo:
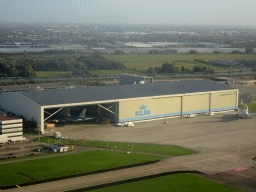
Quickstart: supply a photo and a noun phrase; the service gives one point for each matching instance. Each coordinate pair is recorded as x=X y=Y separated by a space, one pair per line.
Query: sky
x=167 y=12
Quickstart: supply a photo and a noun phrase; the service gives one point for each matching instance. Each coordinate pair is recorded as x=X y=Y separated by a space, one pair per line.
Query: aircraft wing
x=81 y=117
x=74 y=118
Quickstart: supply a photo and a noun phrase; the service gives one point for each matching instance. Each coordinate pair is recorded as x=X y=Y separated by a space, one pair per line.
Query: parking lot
x=21 y=149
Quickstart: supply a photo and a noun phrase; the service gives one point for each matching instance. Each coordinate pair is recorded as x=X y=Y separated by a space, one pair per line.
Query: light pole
x=107 y=142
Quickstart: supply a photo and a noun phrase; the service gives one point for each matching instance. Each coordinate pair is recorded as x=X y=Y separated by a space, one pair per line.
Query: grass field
x=171 y=183
x=139 y=147
x=52 y=167
x=40 y=74
x=143 y=62
x=252 y=107
x=112 y=72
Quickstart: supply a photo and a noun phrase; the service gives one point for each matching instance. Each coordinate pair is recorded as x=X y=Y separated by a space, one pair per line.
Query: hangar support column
x=41 y=128
x=181 y=107
x=237 y=93
x=210 y=102
x=117 y=112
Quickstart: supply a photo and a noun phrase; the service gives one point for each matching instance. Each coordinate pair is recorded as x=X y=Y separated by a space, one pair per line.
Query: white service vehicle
x=57 y=135
x=189 y=116
x=129 y=124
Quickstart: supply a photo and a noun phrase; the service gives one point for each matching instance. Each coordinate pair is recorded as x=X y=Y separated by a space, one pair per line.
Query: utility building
x=123 y=103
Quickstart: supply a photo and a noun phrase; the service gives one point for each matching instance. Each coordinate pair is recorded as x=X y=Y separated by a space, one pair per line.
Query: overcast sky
x=200 y=12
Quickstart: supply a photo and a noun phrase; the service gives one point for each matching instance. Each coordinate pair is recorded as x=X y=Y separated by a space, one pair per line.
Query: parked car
x=37 y=150
x=25 y=139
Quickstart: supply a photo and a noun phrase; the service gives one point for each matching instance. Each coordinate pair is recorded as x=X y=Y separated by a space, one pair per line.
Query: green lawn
x=112 y=72
x=171 y=183
x=143 y=62
x=252 y=107
x=139 y=147
x=52 y=167
x=53 y=73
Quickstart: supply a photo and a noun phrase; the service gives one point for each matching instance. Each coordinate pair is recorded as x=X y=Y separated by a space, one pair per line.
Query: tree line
x=26 y=65
x=171 y=68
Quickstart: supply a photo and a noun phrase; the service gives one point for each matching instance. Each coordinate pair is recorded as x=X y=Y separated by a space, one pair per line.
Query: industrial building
x=10 y=128
x=124 y=103
x=125 y=79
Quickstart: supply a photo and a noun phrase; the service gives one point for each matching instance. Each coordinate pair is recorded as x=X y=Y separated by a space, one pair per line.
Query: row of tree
x=10 y=70
x=18 y=66
x=171 y=68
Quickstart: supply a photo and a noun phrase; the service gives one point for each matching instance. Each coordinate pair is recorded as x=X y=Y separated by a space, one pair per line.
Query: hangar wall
x=195 y=103
x=223 y=100
x=27 y=108
x=138 y=109
x=149 y=108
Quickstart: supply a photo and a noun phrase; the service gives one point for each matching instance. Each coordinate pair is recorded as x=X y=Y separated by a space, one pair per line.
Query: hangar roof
x=90 y=94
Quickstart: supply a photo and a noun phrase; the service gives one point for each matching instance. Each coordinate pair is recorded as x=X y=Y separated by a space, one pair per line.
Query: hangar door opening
x=96 y=113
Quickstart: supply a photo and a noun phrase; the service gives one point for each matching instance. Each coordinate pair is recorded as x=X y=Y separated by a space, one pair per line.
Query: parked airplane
x=245 y=114
x=74 y=118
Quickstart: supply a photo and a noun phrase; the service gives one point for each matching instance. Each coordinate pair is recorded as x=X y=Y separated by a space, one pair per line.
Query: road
x=116 y=76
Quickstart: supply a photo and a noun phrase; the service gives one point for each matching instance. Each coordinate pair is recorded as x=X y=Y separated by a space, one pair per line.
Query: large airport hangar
x=124 y=103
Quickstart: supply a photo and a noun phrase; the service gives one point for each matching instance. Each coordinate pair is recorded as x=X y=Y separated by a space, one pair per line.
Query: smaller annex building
x=10 y=128
x=123 y=103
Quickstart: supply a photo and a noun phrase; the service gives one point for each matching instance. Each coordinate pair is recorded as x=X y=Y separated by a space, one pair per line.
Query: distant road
x=116 y=76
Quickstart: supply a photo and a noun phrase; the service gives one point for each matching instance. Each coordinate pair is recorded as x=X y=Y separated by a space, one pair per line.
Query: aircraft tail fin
x=82 y=114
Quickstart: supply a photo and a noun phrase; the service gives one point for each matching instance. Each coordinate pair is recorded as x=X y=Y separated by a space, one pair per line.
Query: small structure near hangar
x=58 y=147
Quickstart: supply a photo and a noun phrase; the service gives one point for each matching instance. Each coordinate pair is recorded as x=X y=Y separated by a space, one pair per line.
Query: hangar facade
x=124 y=103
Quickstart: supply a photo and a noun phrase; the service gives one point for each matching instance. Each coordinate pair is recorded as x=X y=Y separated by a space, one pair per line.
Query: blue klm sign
x=143 y=111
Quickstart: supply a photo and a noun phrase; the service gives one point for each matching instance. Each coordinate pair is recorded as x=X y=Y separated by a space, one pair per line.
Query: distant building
x=57 y=147
x=11 y=128
x=125 y=79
